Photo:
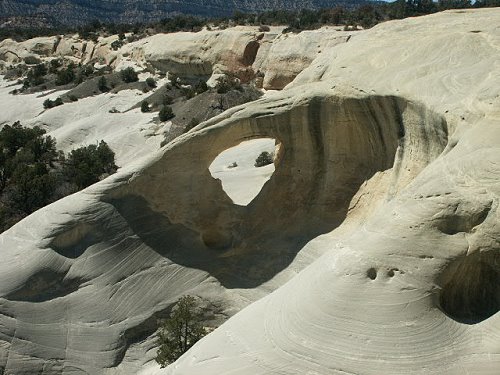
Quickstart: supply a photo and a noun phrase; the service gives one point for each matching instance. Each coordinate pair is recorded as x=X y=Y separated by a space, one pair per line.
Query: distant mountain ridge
x=79 y=12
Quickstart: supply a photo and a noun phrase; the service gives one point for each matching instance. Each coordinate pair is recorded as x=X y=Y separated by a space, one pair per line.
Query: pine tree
x=179 y=332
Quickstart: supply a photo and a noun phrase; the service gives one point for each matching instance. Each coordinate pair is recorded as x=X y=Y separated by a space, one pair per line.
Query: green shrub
x=35 y=76
x=201 y=87
x=226 y=84
x=88 y=70
x=151 y=82
x=145 y=106
x=102 y=84
x=26 y=159
x=39 y=70
x=33 y=173
x=47 y=104
x=54 y=66
x=166 y=113
x=129 y=75
x=188 y=92
x=263 y=159
x=85 y=165
x=65 y=76
x=117 y=44
x=180 y=331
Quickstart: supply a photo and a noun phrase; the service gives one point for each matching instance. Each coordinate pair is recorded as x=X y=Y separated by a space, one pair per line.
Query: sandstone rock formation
x=243 y=52
x=374 y=247
x=14 y=52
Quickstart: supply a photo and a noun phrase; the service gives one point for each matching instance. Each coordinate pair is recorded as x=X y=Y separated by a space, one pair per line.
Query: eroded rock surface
x=243 y=52
x=378 y=233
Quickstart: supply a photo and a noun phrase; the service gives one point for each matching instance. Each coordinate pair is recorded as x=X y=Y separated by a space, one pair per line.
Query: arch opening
x=245 y=168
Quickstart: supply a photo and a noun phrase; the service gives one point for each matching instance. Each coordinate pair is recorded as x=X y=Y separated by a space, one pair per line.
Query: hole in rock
x=236 y=168
x=372 y=273
x=471 y=287
x=330 y=148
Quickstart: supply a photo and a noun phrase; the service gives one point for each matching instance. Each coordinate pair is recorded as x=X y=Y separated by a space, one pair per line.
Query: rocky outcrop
x=411 y=284
x=271 y=58
x=244 y=52
x=280 y=60
x=189 y=54
x=378 y=233
x=14 y=52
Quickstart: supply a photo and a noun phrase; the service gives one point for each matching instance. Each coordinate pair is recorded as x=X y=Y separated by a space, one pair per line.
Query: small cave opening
x=245 y=168
x=471 y=287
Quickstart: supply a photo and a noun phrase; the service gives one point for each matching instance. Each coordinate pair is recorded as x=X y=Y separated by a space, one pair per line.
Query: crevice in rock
x=56 y=44
x=250 y=53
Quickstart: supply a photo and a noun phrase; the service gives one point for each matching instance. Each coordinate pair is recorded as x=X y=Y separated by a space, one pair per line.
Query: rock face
x=244 y=52
x=378 y=233
x=14 y=52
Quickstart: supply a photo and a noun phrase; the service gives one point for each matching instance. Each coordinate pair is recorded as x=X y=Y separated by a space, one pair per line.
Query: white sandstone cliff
x=374 y=248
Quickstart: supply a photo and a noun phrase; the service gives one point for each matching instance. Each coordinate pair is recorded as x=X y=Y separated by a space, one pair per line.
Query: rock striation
x=374 y=247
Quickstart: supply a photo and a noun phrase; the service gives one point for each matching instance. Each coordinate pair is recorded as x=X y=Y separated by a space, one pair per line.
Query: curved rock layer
x=415 y=290
x=378 y=234
x=329 y=147
x=103 y=273
x=414 y=287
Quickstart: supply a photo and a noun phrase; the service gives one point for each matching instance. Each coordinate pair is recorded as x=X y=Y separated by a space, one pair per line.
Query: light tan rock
x=75 y=47
x=197 y=53
x=14 y=52
x=244 y=52
x=375 y=245
x=239 y=51
x=289 y=54
x=414 y=286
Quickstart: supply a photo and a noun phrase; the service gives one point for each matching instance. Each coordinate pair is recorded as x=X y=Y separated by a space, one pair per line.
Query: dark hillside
x=37 y=13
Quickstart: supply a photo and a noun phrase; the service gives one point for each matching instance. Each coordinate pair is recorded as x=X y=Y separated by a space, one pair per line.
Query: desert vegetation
x=52 y=74
x=81 y=80
x=189 y=104
x=265 y=158
x=365 y=15
x=180 y=331
x=33 y=173
x=165 y=113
